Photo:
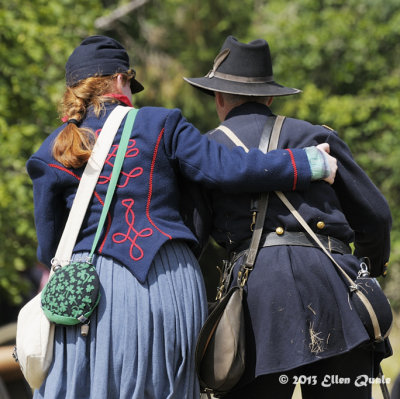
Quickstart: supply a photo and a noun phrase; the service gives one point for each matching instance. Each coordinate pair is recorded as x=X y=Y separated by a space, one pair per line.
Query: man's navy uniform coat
x=145 y=212
x=298 y=308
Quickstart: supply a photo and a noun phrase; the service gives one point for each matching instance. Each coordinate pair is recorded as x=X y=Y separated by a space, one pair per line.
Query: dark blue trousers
x=345 y=376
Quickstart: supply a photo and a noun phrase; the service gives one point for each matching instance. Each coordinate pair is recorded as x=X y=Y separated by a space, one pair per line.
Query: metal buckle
x=243 y=275
x=364 y=270
x=354 y=288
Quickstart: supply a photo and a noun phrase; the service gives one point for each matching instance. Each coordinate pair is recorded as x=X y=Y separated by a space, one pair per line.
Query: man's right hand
x=331 y=162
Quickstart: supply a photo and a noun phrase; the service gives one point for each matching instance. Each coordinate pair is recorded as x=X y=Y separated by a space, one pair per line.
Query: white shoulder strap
x=232 y=136
x=87 y=185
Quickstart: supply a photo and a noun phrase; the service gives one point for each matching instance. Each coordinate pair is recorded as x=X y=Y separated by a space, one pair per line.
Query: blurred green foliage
x=344 y=55
x=35 y=39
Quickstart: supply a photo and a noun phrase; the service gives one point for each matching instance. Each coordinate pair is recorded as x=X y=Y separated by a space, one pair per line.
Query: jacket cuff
x=318 y=163
x=301 y=169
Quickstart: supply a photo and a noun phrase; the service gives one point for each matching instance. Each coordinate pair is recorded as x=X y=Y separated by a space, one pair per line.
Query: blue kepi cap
x=98 y=56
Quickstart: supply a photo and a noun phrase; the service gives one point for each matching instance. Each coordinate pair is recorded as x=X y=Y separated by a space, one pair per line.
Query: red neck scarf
x=120 y=97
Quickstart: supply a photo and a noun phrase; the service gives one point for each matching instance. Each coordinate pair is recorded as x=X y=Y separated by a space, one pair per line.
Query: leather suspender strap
x=268 y=142
x=265 y=139
x=276 y=133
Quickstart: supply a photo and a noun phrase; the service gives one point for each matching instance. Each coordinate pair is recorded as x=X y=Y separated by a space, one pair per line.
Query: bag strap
x=268 y=142
x=352 y=285
x=119 y=160
x=384 y=388
x=232 y=136
x=87 y=185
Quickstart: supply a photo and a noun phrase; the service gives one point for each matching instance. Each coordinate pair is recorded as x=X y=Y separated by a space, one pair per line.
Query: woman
x=142 y=335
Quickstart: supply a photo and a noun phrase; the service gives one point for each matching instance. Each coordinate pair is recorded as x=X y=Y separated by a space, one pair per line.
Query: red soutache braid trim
x=153 y=162
x=52 y=165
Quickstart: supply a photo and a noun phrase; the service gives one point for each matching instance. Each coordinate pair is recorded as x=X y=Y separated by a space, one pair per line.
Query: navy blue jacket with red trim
x=352 y=209
x=145 y=211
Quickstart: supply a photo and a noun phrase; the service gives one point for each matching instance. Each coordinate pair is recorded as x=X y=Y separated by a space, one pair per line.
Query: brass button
x=320 y=224
x=279 y=230
x=384 y=270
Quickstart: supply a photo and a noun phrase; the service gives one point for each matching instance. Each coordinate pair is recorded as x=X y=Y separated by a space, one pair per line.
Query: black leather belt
x=299 y=238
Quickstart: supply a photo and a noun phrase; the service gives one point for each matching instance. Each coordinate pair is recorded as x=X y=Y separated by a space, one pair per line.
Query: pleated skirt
x=142 y=337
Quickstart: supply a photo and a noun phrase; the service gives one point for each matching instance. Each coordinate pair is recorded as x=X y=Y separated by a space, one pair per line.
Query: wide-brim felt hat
x=98 y=56
x=242 y=69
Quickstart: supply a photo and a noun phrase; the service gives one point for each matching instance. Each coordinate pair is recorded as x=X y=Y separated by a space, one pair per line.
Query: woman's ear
x=119 y=84
x=122 y=86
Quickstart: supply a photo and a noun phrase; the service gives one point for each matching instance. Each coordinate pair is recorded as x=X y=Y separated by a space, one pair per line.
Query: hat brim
x=210 y=85
x=136 y=87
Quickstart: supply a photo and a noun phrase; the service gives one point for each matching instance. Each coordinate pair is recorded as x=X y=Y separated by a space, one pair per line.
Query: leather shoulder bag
x=220 y=349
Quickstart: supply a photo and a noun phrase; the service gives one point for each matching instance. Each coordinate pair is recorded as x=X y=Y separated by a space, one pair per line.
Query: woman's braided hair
x=73 y=146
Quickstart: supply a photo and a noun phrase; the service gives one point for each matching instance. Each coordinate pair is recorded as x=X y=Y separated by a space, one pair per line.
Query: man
x=298 y=319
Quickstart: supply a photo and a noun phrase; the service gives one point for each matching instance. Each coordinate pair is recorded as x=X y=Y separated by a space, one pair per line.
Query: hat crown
x=242 y=69
x=102 y=48
x=96 y=55
x=246 y=59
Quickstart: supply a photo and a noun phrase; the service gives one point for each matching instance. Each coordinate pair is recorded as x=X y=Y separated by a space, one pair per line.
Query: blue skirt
x=142 y=337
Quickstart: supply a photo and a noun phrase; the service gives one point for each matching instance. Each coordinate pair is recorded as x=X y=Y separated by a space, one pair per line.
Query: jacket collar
x=249 y=108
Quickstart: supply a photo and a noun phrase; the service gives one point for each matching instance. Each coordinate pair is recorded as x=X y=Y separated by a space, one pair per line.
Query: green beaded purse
x=73 y=291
